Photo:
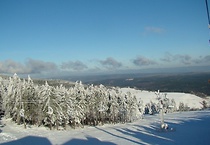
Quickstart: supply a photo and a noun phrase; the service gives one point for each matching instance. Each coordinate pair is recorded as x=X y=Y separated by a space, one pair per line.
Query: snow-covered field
x=191 y=128
x=192 y=101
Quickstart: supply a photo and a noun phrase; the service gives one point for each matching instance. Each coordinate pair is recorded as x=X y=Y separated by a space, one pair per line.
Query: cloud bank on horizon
x=32 y=66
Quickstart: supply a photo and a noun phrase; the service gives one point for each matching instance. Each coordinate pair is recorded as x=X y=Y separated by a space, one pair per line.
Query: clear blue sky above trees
x=85 y=36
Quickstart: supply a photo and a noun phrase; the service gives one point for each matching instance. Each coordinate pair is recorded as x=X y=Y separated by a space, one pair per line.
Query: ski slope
x=192 y=101
x=190 y=128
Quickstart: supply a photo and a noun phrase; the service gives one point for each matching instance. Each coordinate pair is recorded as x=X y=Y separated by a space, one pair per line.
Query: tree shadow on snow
x=143 y=135
x=190 y=131
x=89 y=141
x=146 y=135
x=118 y=136
x=29 y=140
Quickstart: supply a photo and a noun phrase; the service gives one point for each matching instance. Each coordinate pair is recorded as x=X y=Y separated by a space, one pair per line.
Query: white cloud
x=39 y=66
x=110 y=63
x=73 y=65
x=31 y=66
x=186 y=59
x=10 y=66
x=143 y=61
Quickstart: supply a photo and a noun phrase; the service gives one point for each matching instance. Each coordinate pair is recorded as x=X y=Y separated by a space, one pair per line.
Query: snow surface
x=192 y=101
x=191 y=128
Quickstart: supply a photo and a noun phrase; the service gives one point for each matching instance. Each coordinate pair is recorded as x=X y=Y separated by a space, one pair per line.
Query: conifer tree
x=57 y=106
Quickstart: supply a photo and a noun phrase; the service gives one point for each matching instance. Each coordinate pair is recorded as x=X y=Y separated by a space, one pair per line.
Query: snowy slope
x=191 y=128
x=190 y=100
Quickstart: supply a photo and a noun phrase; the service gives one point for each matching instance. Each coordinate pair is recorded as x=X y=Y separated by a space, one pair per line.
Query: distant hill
x=194 y=83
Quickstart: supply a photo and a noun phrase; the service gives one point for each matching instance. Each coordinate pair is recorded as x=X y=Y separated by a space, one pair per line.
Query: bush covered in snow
x=29 y=103
x=163 y=102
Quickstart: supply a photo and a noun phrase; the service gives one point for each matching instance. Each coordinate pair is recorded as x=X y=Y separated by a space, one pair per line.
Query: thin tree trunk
x=18 y=119
x=64 y=123
x=24 y=122
x=50 y=122
x=57 y=124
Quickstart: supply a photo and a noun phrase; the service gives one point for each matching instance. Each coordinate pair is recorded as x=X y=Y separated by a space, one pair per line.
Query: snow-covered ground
x=192 y=101
x=191 y=128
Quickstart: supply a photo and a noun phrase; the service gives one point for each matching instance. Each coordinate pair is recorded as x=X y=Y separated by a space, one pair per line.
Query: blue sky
x=55 y=37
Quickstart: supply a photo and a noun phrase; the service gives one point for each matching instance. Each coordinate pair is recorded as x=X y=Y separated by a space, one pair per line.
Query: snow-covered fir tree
x=76 y=106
